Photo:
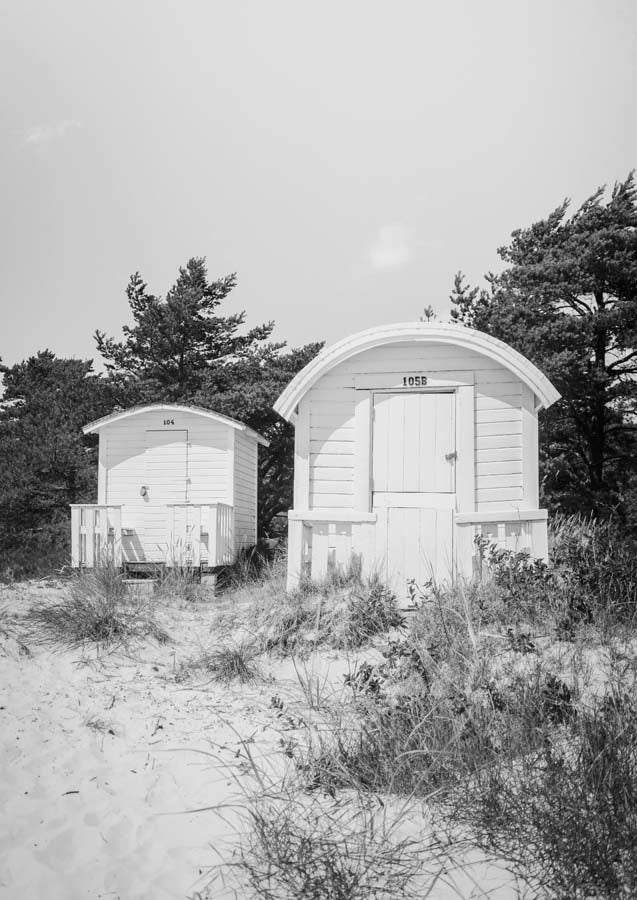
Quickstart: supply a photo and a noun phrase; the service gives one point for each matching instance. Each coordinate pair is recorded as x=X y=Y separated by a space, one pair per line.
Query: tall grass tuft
x=299 y=849
x=96 y=608
x=233 y=662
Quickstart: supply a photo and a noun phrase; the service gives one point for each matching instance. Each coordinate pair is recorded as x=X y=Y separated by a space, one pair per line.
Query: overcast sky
x=344 y=157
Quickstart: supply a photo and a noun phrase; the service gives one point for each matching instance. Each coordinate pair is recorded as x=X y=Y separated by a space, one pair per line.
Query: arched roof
x=418 y=332
x=92 y=427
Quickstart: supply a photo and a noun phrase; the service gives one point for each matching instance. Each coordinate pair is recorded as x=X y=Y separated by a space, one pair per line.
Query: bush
x=96 y=608
x=564 y=815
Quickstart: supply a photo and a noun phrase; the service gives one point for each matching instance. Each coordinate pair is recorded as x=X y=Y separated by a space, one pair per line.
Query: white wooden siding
x=245 y=491
x=125 y=464
x=498 y=423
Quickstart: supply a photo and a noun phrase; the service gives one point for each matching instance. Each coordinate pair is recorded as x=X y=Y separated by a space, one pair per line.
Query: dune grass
x=96 y=608
x=509 y=705
x=226 y=663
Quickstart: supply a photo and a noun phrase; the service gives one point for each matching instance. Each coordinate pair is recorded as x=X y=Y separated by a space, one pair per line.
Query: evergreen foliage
x=567 y=299
x=45 y=461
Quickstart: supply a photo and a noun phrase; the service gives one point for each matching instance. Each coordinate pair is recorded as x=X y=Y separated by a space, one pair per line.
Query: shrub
x=96 y=608
x=564 y=815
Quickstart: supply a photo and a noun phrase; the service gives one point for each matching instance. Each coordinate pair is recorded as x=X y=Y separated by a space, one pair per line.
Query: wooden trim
x=96 y=505
x=504 y=515
x=393 y=381
x=330 y=515
x=530 y=450
x=295 y=553
x=363 y=453
x=302 y=456
x=465 y=448
x=173 y=407
x=102 y=469
x=415 y=332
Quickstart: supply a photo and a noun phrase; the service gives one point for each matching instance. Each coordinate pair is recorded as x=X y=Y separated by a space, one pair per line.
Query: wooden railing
x=96 y=535
x=196 y=534
x=523 y=530
x=321 y=539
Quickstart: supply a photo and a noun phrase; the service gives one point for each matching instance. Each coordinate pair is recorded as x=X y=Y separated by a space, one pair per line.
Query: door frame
x=462 y=385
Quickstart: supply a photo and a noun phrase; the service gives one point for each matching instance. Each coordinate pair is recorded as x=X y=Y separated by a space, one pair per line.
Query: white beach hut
x=409 y=439
x=177 y=485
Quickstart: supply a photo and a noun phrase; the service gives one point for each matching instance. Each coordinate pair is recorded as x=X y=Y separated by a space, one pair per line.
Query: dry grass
x=231 y=662
x=96 y=609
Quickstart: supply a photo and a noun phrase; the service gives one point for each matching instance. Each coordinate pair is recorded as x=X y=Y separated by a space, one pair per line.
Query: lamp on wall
x=144 y=490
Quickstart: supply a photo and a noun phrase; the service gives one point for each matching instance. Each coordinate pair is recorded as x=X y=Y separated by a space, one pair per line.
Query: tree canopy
x=567 y=299
x=45 y=461
x=175 y=340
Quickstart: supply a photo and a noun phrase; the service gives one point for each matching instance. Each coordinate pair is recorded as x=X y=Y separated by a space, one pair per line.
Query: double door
x=413 y=486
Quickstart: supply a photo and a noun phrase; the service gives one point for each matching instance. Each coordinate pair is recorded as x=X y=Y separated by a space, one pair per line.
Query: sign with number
x=169 y=421
x=414 y=380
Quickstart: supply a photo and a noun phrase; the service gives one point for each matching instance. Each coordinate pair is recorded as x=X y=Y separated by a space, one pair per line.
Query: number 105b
x=414 y=380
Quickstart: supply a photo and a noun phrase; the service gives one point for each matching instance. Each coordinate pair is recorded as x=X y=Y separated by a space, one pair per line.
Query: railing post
x=102 y=535
x=88 y=529
x=195 y=535
x=464 y=550
x=213 y=534
x=117 y=536
x=539 y=540
x=76 y=514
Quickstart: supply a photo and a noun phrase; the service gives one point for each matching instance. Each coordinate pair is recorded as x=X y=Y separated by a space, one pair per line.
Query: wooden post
x=116 y=513
x=539 y=540
x=213 y=535
x=76 y=514
x=295 y=553
x=195 y=536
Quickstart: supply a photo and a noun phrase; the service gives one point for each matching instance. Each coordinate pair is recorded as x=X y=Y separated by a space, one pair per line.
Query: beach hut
x=177 y=485
x=409 y=440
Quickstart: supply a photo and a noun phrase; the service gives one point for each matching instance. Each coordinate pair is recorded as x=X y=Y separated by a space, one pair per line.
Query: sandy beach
x=123 y=780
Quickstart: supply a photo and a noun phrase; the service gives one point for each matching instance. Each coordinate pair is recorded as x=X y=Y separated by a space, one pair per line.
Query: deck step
x=140 y=587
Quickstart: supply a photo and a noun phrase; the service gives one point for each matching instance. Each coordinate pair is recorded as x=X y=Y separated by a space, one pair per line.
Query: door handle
x=452 y=455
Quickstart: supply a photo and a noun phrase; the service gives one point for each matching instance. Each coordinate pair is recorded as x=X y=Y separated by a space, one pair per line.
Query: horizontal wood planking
x=498 y=441
x=500 y=479
x=484 y=429
x=499 y=493
x=500 y=467
x=506 y=414
x=324 y=486
x=335 y=460
x=331 y=501
x=335 y=473
x=336 y=433
x=328 y=446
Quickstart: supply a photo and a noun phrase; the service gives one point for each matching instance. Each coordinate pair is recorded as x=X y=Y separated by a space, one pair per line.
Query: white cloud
x=42 y=136
x=391 y=248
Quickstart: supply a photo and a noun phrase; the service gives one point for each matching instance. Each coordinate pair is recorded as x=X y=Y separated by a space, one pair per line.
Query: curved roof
x=92 y=427
x=416 y=332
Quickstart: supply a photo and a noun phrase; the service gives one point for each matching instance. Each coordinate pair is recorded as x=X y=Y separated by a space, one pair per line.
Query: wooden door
x=413 y=486
x=166 y=482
